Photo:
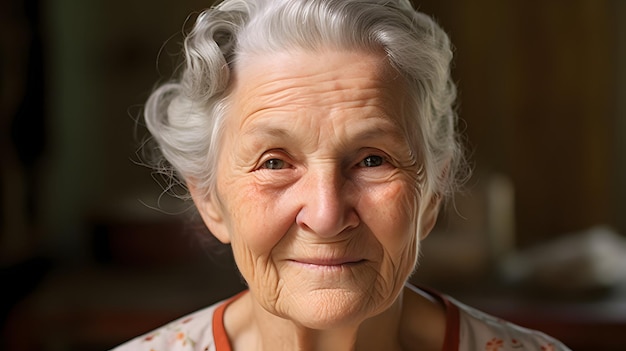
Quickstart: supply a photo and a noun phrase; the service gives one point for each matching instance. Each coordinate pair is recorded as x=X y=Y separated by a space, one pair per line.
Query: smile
x=338 y=262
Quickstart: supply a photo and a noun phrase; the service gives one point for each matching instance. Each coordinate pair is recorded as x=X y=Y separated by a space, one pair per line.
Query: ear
x=429 y=215
x=211 y=211
x=431 y=211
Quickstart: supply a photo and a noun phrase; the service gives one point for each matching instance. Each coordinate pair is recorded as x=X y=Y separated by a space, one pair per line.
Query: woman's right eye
x=274 y=163
x=372 y=161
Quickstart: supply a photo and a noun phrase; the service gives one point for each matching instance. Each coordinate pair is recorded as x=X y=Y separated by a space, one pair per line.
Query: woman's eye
x=274 y=163
x=372 y=161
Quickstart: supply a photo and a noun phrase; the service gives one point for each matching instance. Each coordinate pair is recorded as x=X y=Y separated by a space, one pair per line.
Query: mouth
x=332 y=262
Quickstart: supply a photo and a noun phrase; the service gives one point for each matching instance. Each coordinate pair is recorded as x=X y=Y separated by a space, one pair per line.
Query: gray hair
x=186 y=116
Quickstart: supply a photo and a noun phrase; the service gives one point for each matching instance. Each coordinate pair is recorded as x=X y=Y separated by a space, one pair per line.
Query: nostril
x=300 y=220
x=353 y=219
x=327 y=222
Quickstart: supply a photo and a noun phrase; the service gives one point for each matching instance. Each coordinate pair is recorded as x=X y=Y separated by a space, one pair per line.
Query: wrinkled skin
x=317 y=187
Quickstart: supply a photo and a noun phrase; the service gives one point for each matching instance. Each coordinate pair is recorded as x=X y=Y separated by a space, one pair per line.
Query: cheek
x=392 y=216
x=258 y=220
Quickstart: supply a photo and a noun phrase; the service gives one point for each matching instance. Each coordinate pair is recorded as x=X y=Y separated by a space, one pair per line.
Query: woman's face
x=317 y=187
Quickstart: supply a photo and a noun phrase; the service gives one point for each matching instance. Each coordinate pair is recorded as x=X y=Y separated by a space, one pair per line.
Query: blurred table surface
x=592 y=323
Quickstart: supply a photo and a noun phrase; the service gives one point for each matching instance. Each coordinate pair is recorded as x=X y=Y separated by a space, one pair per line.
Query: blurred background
x=88 y=260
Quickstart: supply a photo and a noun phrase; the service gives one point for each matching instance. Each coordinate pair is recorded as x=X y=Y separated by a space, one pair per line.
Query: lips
x=330 y=262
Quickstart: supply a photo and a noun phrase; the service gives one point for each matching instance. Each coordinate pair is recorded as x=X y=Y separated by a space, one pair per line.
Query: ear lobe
x=211 y=212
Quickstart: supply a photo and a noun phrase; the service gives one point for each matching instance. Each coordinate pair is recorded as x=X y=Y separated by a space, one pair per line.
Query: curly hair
x=185 y=116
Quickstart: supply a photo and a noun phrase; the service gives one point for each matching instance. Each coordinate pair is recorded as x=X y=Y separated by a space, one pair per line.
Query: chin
x=330 y=309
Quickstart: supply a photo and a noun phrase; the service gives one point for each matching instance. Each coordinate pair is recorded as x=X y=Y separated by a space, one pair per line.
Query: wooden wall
x=538 y=82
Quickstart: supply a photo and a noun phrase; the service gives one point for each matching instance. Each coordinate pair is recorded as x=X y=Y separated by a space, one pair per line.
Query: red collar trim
x=452 y=338
x=219 y=331
x=453 y=326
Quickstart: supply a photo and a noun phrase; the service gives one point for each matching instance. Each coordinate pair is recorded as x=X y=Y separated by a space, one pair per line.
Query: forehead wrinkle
x=271 y=123
x=275 y=86
x=258 y=114
x=292 y=93
x=252 y=104
x=294 y=96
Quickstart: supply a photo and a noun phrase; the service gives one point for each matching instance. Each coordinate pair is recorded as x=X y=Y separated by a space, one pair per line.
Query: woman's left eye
x=372 y=161
x=274 y=163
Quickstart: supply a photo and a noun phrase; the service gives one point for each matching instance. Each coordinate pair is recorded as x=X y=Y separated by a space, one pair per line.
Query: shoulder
x=479 y=330
x=192 y=332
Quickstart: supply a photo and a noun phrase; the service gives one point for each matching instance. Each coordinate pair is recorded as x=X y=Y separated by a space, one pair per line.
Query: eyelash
x=277 y=162
x=266 y=164
x=379 y=158
x=274 y=156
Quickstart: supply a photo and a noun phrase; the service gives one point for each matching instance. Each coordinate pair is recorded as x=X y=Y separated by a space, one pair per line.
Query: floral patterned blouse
x=467 y=329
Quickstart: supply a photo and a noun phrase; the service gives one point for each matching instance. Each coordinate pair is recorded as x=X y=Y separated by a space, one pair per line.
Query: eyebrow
x=261 y=134
x=388 y=129
x=270 y=131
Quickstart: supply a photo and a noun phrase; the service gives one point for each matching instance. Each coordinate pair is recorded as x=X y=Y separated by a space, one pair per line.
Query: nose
x=327 y=204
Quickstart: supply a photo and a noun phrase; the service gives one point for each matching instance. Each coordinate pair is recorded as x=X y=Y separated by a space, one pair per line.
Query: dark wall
x=540 y=93
x=540 y=96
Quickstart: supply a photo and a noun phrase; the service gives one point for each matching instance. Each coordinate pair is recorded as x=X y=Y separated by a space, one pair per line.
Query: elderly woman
x=317 y=138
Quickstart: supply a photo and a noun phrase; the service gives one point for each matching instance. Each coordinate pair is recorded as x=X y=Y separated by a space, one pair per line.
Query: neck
x=266 y=331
